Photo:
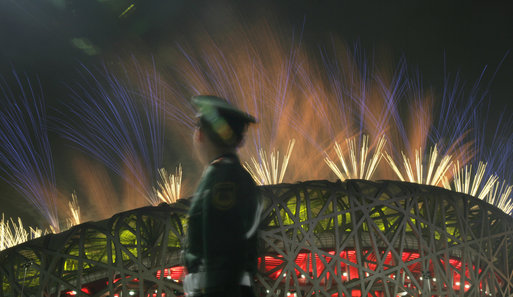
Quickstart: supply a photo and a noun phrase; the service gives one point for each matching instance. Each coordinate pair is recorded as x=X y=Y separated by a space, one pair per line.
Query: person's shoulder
x=219 y=170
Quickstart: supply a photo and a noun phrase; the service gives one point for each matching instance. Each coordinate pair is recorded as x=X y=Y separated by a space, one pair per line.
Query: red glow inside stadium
x=308 y=265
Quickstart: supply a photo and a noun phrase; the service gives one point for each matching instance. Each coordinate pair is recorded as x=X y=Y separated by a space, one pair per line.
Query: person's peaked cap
x=207 y=104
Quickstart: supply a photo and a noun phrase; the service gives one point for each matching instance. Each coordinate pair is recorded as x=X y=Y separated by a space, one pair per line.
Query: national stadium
x=317 y=238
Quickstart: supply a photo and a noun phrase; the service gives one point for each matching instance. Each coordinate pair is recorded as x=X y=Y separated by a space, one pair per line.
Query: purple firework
x=25 y=152
x=118 y=120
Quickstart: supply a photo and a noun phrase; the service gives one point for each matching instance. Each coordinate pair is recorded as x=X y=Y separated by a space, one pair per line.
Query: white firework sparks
x=469 y=182
x=500 y=196
x=464 y=181
x=169 y=187
x=269 y=171
x=362 y=167
x=437 y=167
x=12 y=234
x=74 y=209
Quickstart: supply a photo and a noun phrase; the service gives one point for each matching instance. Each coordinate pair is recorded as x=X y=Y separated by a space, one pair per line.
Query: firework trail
x=496 y=134
x=25 y=152
x=326 y=98
x=498 y=159
x=256 y=79
x=119 y=123
x=98 y=189
x=443 y=127
x=341 y=95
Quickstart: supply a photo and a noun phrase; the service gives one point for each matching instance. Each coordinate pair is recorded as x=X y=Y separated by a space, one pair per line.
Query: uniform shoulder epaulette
x=217 y=161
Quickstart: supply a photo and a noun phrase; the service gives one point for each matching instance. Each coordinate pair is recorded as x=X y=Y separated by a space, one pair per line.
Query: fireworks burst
x=169 y=186
x=465 y=181
x=25 y=152
x=117 y=116
x=119 y=124
x=500 y=196
x=267 y=169
x=361 y=166
x=74 y=209
x=12 y=234
x=430 y=174
x=341 y=95
x=317 y=99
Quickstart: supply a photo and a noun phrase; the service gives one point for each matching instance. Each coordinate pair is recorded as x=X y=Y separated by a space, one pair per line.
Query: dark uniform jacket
x=223 y=218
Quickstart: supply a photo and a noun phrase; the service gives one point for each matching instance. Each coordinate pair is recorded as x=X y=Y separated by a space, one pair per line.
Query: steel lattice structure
x=351 y=238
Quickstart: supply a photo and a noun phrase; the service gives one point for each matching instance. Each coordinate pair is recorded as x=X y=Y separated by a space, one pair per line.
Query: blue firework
x=25 y=151
x=117 y=117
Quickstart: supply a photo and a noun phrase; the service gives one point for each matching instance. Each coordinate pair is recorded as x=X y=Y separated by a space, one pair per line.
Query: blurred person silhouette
x=221 y=251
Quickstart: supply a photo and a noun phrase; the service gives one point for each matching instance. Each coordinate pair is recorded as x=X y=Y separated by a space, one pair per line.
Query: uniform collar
x=231 y=157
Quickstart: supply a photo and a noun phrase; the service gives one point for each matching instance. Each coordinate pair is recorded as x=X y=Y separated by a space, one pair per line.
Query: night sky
x=36 y=35
x=36 y=38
